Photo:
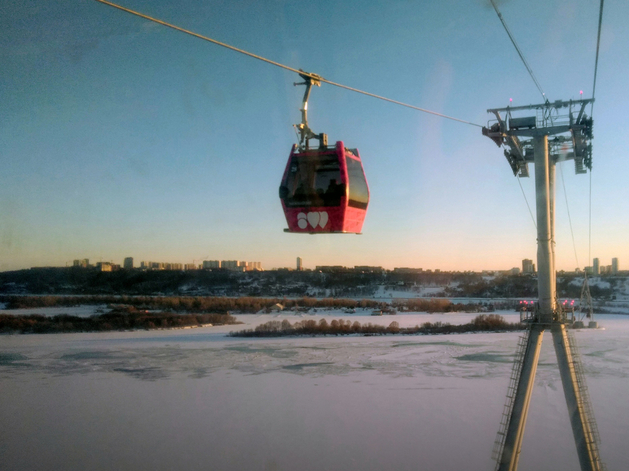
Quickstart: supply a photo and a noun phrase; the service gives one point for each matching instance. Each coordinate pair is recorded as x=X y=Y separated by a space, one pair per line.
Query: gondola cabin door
x=324 y=190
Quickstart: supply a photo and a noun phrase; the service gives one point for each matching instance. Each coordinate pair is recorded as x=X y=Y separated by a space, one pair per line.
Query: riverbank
x=119 y=318
x=310 y=327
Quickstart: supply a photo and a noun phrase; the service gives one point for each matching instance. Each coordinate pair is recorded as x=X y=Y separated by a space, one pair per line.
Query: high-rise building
x=407 y=270
x=331 y=268
x=300 y=266
x=614 y=266
x=528 y=266
x=211 y=264
x=128 y=263
x=104 y=266
x=229 y=264
x=254 y=266
x=368 y=269
x=596 y=267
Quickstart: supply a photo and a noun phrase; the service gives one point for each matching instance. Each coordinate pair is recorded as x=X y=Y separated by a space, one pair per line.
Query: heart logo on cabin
x=313 y=219
x=301 y=220
x=323 y=218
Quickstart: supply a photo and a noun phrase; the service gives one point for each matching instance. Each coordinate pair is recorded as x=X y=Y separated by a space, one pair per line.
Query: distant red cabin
x=324 y=191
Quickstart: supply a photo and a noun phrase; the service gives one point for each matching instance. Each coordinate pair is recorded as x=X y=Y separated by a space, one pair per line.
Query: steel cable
x=527 y=202
x=526 y=64
x=598 y=44
x=277 y=64
x=563 y=184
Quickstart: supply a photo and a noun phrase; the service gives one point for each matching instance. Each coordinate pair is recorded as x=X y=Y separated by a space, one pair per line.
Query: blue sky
x=120 y=137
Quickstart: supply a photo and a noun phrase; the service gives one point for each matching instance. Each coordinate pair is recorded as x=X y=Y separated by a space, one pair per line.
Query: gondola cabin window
x=358 y=189
x=314 y=181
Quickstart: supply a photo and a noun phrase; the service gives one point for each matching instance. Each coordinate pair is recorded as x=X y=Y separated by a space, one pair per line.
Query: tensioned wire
x=563 y=184
x=598 y=44
x=277 y=64
x=539 y=87
x=530 y=71
x=527 y=202
x=515 y=44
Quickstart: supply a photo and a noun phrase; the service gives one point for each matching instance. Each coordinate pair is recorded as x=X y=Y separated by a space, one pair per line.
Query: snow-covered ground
x=79 y=311
x=386 y=294
x=196 y=399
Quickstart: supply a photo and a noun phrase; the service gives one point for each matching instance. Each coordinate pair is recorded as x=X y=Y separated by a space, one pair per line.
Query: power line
x=574 y=245
x=277 y=64
x=590 y=223
x=526 y=64
x=399 y=103
x=598 y=43
x=527 y=203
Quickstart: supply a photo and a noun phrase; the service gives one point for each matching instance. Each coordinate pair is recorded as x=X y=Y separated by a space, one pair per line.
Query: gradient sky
x=120 y=137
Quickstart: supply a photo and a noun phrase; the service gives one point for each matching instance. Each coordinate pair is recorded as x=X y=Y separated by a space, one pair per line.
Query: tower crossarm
x=514 y=151
x=544 y=106
x=572 y=131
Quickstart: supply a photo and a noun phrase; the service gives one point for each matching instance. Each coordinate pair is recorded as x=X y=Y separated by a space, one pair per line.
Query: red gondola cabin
x=324 y=190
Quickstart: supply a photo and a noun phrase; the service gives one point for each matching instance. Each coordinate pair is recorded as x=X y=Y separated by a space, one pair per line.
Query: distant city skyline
x=527 y=266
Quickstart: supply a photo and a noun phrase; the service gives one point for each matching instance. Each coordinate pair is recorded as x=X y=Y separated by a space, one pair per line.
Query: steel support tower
x=552 y=137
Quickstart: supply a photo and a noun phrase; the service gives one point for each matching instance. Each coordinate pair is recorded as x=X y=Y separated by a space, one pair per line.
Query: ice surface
x=79 y=311
x=196 y=399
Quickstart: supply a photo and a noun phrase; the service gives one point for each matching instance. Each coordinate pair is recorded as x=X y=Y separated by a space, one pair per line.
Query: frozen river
x=198 y=400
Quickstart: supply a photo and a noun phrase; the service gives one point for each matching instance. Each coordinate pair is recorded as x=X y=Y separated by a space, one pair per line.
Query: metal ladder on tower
x=585 y=303
x=593 y=438
x=516 y=370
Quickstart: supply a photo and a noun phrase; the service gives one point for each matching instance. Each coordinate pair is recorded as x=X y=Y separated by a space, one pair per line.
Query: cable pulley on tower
x=572 y=131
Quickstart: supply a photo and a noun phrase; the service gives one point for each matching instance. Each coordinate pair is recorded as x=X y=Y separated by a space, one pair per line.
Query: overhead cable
x=277 y=64
x=526 y=64
x=598 y=43
x=565 y=194
x=527 y=203
x=590 y=223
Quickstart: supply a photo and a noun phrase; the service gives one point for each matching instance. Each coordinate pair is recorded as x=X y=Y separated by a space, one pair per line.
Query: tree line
x=121 y=318
x=244 y=304
x=310 y=327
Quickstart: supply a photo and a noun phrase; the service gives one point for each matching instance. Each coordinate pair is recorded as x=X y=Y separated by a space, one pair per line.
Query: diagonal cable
x=527 y=202
x=598 y=44
x=590 y=223
x=526 y=64
x=574 y=245
x=277 y=64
